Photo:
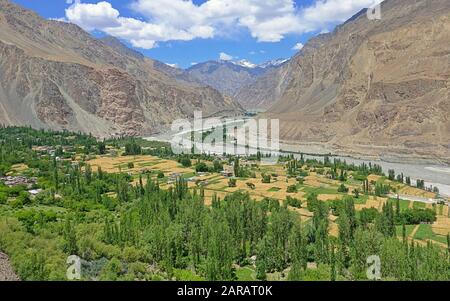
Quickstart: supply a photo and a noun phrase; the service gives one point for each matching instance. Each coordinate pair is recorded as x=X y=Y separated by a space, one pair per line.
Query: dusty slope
x=6 y=271
x=374 y=87
x=55 y=75
x=265 y=90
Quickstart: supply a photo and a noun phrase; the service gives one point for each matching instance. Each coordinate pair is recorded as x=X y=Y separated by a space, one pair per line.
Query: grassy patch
x=362 y=200
x=188 y=175
x=409 y=230
x=404 y=204
x=186 y=275
x=274 y=189
x=245 y=274
x=425 y=232
x=319 y=190
x=419 y=205
x=146 y=164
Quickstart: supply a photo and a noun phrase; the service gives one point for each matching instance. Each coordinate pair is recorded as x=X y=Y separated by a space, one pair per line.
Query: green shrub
x=266 y=179
x=343 y=189
x=3 y=198
x=293 y=202
x=292 y=189
x=201 y=167
x=186 y=162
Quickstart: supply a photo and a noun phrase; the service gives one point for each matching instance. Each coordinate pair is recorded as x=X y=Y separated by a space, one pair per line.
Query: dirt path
x=413 y=233
x=6 y=271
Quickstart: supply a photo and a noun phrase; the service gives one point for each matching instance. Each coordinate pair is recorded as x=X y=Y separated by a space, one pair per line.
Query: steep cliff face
x=264 y=91
x=373 y=86
x=55 y=75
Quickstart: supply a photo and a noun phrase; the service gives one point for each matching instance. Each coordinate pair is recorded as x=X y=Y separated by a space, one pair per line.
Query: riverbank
x=434 y=171
x=378 y=153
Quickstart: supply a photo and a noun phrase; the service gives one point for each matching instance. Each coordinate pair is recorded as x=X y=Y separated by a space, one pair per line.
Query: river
x=433 y=175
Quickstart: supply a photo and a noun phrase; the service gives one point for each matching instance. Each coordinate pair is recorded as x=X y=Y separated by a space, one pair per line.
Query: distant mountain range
x=227 y=76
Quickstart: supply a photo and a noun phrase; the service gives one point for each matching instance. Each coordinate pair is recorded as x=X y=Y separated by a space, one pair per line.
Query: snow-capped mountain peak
x=245 y=63
x=273 y=63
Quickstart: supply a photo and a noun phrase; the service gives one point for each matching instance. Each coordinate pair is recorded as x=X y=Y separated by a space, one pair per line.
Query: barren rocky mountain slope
x=265 y=90
x=55 y=75
x=228 y=77
x=372 y=87
x=225 y=76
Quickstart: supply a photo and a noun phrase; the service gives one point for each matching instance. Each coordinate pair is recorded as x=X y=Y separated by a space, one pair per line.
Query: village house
x=174 y=176
x=19 y=180
x=34 y=192
x=227 y=173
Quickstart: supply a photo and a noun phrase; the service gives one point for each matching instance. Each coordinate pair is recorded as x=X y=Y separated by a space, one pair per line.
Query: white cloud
x=144 y=44
x=165 y=20
x=225 y=57
x=326 y=12
x=93 y=16
x=298 y=46
x=172 y=65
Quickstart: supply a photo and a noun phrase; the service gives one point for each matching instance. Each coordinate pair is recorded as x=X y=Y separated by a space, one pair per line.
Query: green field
x=425 y=232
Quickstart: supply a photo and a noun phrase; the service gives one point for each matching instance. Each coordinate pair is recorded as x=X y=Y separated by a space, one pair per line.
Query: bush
x=368 y=215
x=217 y=166
x=160 y=175
x=186 y=162
x=3 y=198
x=293 y=202
x=201 y=167
x=24 y=197
x=112 y=270
x=342 y=189
x=312 y=201
x=418 y=216
x=292 y=189
x=16 y=190
x=16 y=204
x=232 y=183
x=130 y=165
x=266 y=179
x=132 y=149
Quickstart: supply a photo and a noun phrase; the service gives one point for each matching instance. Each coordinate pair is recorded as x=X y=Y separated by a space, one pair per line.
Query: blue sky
x=184 y=32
